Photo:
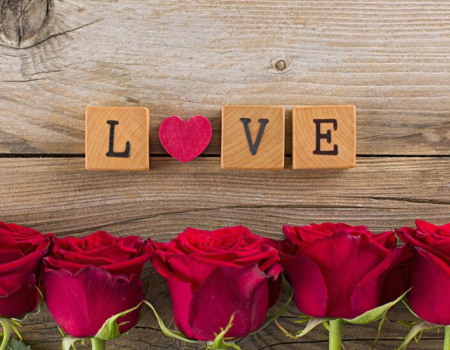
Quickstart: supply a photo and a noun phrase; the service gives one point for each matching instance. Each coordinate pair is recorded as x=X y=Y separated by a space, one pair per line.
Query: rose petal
x=368 y=294
x=243 y=292
x=181 y=296
x=430 y=283
x=28 y=262
x=408 y=235
x=24 y=298
x=344 y=267
x=310 y=290
x=81 y=303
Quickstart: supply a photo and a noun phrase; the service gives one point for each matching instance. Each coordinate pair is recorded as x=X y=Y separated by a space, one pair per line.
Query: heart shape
x=185 y=140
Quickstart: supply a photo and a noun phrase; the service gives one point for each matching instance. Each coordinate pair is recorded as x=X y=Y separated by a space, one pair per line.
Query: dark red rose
x=429 y=270
x=213 y=275
x=342 y=271
x=88 y=280
x=21 y=251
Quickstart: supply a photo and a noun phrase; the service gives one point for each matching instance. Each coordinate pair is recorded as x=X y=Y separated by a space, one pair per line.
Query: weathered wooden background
x=390 y=58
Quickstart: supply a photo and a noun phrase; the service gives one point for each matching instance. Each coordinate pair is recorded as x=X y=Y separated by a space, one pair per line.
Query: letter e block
x=324 y=137
x=253 y=137
x=117 y=138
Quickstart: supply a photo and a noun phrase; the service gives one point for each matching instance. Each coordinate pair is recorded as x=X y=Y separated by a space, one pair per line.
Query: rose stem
x=336 y=334
x=98 y=344
x=6 y=332
x=447 y=338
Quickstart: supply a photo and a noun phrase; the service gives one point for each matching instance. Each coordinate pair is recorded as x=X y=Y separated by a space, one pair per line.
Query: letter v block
x=253 y=137
x=324 y=137
x=117 y=138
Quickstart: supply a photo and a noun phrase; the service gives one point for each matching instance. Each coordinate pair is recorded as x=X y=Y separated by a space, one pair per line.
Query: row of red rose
x=223 y=282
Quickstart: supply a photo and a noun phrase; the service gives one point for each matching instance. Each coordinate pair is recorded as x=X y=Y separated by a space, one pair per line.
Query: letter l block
x=324 y=137
x=117 y=138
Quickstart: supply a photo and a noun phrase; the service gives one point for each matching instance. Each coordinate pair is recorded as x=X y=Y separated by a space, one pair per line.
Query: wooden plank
x=58 y=195
x=389 y=58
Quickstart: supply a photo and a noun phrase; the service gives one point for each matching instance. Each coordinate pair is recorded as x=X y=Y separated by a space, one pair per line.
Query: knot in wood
x=280 y=65
x=21 y=21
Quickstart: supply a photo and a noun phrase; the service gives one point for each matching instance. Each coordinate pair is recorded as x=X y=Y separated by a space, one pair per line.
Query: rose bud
x=429 y=270
x=21 y=251
x=213 y=275
x=88 y=280
x=341 y=271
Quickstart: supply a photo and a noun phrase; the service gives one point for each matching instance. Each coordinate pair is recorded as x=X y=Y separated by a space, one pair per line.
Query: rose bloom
x=21 y=251
x=429 y=270
x=213 y=275
x=88 y=280
x=342 y=271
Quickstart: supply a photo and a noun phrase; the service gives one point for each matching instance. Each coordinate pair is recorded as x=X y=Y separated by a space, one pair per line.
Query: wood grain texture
x=389 y=58
x=58 y=195
x=324 y=137
x=253 y=137
x=117 y=138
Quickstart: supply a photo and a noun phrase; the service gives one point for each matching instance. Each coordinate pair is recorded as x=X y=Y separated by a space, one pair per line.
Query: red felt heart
x=185 y=140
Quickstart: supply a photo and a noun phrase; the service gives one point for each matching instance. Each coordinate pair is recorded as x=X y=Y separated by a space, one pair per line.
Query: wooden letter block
x=117 y=138
x=253 y=137
x=324 y=137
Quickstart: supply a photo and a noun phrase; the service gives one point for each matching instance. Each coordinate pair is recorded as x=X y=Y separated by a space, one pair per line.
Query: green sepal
x=7 y=330
x=219 y=342
x=110 y=329
x=375 y=314
x=405 y=302
x=313 y=322
x=417 y=330
x=380 y=327
x=168 y=332
x=68 y=342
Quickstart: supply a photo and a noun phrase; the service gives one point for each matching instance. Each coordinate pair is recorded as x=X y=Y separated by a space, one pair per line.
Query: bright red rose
x=213 y=275
x=88 y=280
x=21 y=251
x=429 y=270
x=342 y=271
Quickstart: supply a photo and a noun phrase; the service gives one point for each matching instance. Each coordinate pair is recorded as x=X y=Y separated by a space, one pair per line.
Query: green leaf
x=417 y=330
x=17 y=345
x=312 y=323
x=269 y=319
x=219 y=342
x=168 y=332
x=14 y=344
x=375 y=314
x=110 y=329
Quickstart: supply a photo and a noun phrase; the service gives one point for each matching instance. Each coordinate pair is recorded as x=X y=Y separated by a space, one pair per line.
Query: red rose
x=213 y=275
x=341 y=271
x=21 y=251
x=429 y=270
x=88 y=280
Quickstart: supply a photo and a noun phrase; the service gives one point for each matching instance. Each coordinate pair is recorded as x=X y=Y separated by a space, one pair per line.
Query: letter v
x=254 y=146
